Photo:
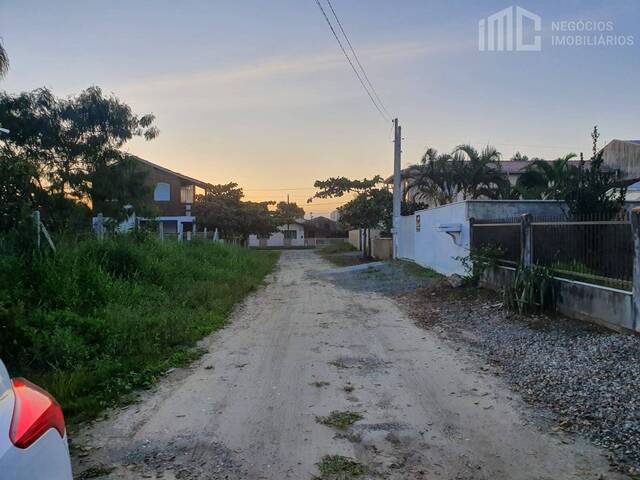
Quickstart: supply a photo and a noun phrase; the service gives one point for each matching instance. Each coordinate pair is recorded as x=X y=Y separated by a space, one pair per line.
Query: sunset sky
x=258 y=92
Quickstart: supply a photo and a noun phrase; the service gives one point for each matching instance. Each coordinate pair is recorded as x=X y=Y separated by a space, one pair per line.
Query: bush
x=99 y=319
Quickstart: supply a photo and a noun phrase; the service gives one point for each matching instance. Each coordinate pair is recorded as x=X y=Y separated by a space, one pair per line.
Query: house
x=623 y=156
x=299 y=234
x=173 y=197
x=292 y=235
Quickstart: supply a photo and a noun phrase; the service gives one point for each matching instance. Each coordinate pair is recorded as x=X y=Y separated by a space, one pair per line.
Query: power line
x=358 y=60
x=384 y=116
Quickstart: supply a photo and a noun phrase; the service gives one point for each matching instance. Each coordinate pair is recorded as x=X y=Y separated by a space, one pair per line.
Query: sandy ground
x=247 y=409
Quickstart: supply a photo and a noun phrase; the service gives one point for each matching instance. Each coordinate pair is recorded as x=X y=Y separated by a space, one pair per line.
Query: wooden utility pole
x=397 y=193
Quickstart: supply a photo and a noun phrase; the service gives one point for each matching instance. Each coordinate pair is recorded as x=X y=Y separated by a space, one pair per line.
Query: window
x=264 y=236
x=162 y=193
x=290 y=234
x=186 y=194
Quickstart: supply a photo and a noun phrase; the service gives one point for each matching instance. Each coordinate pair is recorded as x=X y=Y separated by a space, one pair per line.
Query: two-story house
x=173 y=197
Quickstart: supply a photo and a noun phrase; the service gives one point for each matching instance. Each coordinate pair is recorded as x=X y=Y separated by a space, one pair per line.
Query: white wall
x=276 y=239
x=437 y=250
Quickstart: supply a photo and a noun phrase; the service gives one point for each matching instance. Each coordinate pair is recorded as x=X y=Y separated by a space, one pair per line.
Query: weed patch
x=320 y=383
x=337 y=467
x=100 y=319
x=340 y=420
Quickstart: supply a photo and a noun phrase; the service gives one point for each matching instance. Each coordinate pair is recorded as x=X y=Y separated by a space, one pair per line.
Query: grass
x=99 y=320
x=342 y=254
x=416 y=270
x=337 y=247
x=338 y=467
x=340 y=420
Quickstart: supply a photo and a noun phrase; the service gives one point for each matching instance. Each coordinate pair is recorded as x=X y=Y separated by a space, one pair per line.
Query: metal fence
x=591 y=248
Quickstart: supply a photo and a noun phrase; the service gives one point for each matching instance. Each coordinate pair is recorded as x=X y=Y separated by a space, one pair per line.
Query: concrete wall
x=606 y=306
x=355 y=236
x=433 y=248
x=490 y=209
x=382 y=248
x=437 y=249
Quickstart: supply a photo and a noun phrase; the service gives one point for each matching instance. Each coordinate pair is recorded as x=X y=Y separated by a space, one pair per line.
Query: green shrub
x=99 y=319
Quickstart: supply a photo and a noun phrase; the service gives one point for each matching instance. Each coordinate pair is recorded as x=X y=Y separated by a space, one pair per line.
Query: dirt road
x=302 y=347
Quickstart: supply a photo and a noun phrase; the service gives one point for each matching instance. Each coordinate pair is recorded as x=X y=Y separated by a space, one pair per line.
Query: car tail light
x=34 y=412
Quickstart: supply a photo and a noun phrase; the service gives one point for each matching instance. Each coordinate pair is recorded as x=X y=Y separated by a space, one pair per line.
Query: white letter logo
x=496 y=33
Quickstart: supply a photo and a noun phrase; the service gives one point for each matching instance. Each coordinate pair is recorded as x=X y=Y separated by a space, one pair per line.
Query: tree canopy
x=372 y=206
x=71 y=149
x=222 y=207
x=287 y=213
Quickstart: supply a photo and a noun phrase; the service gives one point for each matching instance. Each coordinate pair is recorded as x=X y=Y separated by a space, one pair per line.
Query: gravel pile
x=588 y=376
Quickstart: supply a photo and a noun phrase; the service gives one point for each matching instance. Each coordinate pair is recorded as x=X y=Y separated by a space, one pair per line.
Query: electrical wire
x=364 y=72
x=384 y=116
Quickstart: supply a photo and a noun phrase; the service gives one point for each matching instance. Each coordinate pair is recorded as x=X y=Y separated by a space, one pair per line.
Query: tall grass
x=99 y=319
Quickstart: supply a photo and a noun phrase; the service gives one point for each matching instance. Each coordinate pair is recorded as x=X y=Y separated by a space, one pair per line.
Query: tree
x=222 y=207
x=442 y=178
x=438 y=178
x=4 y=61
x=372 y=206
x=74 y=147
x=590 y=190
x=519 y=157
x=287 y=213
x=483 y=176
x=545 y=180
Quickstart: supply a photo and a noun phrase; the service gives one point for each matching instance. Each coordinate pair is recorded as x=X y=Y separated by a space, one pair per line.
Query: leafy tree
x=372 y=206
x=372 y=209
x=287 y=213
x=74 y=148
x=222 y=207
x=591 y=190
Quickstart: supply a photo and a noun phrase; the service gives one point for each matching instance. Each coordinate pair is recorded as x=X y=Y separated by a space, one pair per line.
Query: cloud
x=279 y=67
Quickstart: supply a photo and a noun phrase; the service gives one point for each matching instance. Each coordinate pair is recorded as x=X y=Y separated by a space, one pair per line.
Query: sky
x=259 y=93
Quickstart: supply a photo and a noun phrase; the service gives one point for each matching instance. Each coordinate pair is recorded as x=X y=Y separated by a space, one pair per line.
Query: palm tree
x=545 y=180
x=4 y=61
x=436 y=179
x=483 y=176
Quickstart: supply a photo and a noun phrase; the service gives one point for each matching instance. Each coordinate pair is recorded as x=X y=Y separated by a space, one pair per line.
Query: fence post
x=100 y=226
x=161 y=230
x=526 y=240
x=36 y=219
x=205 y=233
x=635 y=227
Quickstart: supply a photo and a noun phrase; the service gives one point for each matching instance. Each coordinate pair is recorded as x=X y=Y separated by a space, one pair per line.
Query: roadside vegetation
x=340 y=420
x=99 y=319
x=342 y=254
x=337 y=467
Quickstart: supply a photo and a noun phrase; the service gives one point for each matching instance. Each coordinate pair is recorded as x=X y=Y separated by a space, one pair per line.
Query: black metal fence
x=589 y=248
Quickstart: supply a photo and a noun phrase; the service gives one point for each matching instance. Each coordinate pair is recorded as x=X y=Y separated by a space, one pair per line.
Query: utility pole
x=397 y=194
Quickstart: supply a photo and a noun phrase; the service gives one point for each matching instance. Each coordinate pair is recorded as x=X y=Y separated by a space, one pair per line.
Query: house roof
x=186 y=178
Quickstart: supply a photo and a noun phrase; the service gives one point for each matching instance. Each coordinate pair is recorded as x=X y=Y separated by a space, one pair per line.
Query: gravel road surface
x=305 y=346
